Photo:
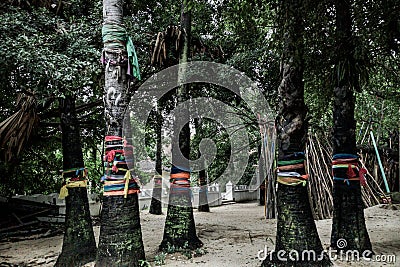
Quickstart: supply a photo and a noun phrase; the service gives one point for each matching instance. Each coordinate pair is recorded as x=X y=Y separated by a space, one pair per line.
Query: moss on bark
x=296 y=230
x=348 y=215
x=79 y=245
x=179 y=229
x=120 y=242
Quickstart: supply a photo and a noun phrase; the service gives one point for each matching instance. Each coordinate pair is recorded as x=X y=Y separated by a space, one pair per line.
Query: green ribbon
x=290 y=162
x=116 y=37
x=130 y=48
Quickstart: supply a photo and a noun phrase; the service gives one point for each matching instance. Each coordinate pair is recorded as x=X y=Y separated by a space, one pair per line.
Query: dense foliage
x=48 y=55
x=51 y=50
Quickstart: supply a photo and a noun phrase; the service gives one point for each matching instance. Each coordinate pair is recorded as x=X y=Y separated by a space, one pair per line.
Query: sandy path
x=232 y=236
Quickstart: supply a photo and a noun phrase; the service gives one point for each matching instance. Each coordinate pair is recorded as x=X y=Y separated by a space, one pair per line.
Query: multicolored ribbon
x=75 y=177
x=180 y=180
x=115 y=38
x=289 y=167
x=118 y=180
x=345 y=168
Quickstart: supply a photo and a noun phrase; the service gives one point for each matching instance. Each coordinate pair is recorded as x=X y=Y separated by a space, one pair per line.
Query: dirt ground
x=232 y=236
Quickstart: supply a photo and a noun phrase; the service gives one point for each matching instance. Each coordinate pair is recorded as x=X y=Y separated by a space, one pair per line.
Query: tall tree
x=79 y=245
x=203 y=193
x=180 y=229
x=120 y=242
x=262 y=176
x=296 y=229
x=348 y=215
x=156 y=204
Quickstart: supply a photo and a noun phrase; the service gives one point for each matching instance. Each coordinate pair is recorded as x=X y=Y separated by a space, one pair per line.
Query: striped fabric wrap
x=345 y=169
x=117 y=179
x=291 y=168
x=180 y=180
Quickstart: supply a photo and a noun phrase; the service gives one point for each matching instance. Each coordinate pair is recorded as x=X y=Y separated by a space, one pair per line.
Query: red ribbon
x=362 y=173
x=110 y=154
x=112 y=138
x=114 y=168
x=350 y=172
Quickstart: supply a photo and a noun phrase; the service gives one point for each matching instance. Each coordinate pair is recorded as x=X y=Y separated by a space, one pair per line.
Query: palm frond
x=168 y=40
x=165 y=48
x=16 y=130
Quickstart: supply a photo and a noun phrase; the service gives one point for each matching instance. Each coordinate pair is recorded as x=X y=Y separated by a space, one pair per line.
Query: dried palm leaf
x=178 y=40
x=164 y=51
x=16 y=131
x=156 y=45
x=167 y=40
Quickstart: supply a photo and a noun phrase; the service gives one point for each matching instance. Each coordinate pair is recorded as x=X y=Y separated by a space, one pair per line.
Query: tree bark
x=296 y=229
x=79 y=246
x=120 y=241
x=156 y=204
x=203 y=192
x=180 y=229
x=261 y=176
x=348 y=215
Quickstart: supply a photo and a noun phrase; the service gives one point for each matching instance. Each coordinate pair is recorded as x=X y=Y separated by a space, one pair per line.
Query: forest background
x=51 y=49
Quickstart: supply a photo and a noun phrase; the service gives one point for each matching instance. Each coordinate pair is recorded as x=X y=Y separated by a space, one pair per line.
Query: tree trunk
x=156 y=204
x=348 y=215
x=180 y=229
x=79 y=245
x=203 y=192
x=261 y=176
x=296 y=229
x=120 y=241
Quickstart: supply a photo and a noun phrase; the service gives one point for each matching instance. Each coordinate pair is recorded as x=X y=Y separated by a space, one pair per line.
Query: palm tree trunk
x=203 y=192
x=180 y=229
x=120 y=241
x=156 y=205
x=261 y=176
x=296 y=229
x=348 y=215
x=79 y=246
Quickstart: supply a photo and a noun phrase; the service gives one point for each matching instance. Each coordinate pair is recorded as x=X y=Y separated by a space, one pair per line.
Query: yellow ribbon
x=127 y=177
x=291 y=181
x=64 y=189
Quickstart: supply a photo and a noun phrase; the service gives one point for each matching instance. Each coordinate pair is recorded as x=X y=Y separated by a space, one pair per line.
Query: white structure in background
x=228 y=195
x=214 y=194
x=238 y=193
x=147 y=165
